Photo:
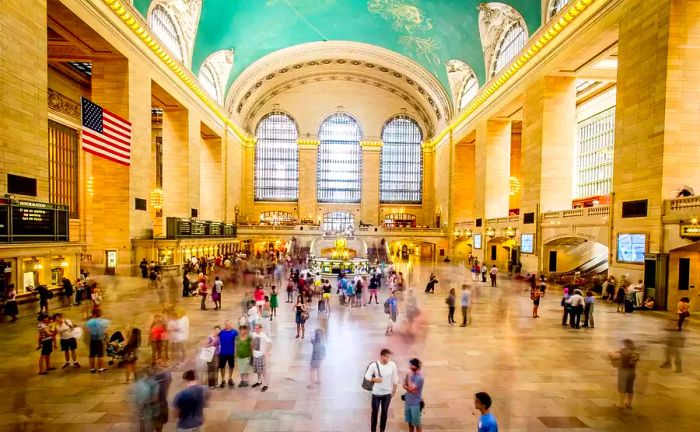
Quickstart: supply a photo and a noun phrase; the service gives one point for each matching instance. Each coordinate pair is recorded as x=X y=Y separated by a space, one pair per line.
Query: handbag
x=77 y=333
x=206 y=354
x=368 y=384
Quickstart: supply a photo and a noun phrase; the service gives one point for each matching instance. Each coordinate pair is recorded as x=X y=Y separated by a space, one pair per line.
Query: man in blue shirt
x=413 y=384
x=227 y=349
x=487 y=421
x=392 y=309
x=189 y=404
x=97 y=328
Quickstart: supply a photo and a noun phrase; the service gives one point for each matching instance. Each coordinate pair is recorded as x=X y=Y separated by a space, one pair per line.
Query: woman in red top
x=259 y=296
x=158 y=338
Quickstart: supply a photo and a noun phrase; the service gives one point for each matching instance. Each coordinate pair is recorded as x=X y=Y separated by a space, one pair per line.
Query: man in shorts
x=227 y=351
x=413 y=384
x=97 y=329
x=391 y=307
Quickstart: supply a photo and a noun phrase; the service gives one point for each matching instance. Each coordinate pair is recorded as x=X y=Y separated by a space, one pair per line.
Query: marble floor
x=542 y=376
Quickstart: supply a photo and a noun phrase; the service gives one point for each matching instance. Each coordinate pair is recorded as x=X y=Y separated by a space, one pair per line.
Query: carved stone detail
x=62 y=105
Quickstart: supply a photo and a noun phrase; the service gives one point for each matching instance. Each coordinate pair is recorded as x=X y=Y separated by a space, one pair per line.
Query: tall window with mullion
x=514 y=40
x=277 y=159
x=594 y=158
x=339 y=160
x=401 y=173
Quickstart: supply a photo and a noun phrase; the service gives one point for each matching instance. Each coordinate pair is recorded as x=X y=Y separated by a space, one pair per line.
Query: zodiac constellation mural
x=408 y=18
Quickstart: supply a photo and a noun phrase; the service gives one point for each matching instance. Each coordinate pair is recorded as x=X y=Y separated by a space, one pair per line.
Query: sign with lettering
x=184 y=228
x=24 y=221
x=691 y=231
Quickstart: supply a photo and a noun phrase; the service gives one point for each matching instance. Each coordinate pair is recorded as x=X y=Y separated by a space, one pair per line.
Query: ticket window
x=31 y=270
x=165 y=256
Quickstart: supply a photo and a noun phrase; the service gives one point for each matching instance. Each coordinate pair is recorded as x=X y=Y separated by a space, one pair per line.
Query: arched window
x=337 y=222
x=555 y=6
x=164 y=27
x=469 y=90
x=339 y=160
x=276 y=159
x=513 y=40
x=401 y=173
x=208 y=80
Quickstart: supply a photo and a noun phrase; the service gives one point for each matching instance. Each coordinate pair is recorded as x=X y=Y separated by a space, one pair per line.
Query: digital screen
x=527 y=243
x=476 y=242
x=631 y=247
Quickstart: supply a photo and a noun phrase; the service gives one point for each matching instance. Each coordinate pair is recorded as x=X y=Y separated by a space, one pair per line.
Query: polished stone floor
x=542 y=376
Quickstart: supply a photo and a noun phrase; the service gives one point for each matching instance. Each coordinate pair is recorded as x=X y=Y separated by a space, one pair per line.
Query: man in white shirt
x=493 y=273
x=260 y=344
x=385 y=377
x=577 y=302
x=179 y=333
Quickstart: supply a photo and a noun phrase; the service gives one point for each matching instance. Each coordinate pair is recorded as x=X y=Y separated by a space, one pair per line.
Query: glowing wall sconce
x=490 y=232
x=509 y=232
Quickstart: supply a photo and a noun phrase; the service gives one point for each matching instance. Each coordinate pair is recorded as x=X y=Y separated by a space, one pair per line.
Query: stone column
x=657 y=116
x=427 y=216
x=548 y=144
x=248 y=175
x=176 y=163
x=24 y=84
x=492 y=169
x=308 y=161
x=211 y=179
x=369 y=207
x=462 y=182
x=194 y=128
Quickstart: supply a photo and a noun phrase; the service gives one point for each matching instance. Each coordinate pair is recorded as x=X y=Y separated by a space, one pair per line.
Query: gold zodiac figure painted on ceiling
x=406 y=15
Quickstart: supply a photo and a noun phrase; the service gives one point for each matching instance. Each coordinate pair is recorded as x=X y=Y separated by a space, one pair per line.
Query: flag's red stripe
x=107 y=140
x=116 y=117
x=106 y=121
x=99 y=149
x=116 y=134
x=106 y=147
x=106 y=157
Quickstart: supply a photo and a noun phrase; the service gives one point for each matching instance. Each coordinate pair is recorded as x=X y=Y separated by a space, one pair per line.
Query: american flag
x=105 y=134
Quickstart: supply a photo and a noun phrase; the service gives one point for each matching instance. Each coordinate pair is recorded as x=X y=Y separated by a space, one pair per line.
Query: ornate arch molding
x=253 y=113
x=363 y=61
x=219 y=64
x=185 y=15
x=494 y=21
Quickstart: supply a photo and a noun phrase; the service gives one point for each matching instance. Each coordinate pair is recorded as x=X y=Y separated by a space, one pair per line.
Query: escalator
x=590 y=269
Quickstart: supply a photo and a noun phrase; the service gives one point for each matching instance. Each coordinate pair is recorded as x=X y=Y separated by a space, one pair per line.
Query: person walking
x=487 y=421
x=216 y=292
x=565 y=304
x=244 y=354
x=576 y=302
x=143 y=265
x=274 y=302
x=374 y=283
x=164 y=379
x=290 y=290
x=97 y=329
x=301 y=314
x=46 y=342
x=214 y=345
x=683 y=311
x=158 y=339
x=318 y=353
x=589 y=304
x=227 y=348
x=145 y=396
x=67 y=340
x=626 y=361
x=391 y=308
x=674 y=344
x=131 y=352
x=465 y=302
x=67 y=291
x=260 y=344
x=475 y=272
x=535 y=295
x=10 y=309
x=202 y=290
x=450 y=301
x=178 y=335
x=188 y=404
x=413 y=399
x=484 y=270
x=493 y=272
x=620 y=299
x=385 y=376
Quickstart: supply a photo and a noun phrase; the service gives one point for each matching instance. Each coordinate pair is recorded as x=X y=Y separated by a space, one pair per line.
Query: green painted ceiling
x=430 y=32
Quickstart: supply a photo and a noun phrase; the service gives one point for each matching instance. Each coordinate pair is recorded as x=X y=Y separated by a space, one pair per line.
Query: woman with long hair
x=131 y=350
x=300 y=316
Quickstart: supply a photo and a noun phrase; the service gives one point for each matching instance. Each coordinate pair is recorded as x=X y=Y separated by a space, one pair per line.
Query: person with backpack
x=382 y=379
x=391 y=308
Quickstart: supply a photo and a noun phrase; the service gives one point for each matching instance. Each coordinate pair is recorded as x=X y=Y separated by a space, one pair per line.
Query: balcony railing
x=692 y=202
x=597 y=211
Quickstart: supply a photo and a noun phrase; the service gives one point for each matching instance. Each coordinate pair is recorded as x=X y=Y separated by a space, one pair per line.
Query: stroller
x=115 y=348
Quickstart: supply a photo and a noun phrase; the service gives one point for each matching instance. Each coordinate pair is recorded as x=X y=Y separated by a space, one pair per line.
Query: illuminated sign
x=527 y=243
x=491 y=232
x=690 y=231
x=509 y=232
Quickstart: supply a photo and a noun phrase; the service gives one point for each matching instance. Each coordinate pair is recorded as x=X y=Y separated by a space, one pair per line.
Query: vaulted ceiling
x=430 y=32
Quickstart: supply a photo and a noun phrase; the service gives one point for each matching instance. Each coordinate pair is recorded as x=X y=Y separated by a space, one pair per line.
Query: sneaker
x=263 y=389
x=102 y=370
x=65 y=365
x=76 y=364
x=256 y=384
x=93 y=370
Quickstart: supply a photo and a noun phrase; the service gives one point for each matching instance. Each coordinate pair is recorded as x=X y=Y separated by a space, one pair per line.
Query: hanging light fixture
x=514 y=184
x=157 y=198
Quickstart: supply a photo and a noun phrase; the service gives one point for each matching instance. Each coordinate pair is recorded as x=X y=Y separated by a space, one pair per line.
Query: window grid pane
x=401 y=173
x=277 y=159
x=338 y=222
x=164 y=27
x=63 y=167
x=339 y=160
x=511 y=44
x=594 y=158
x=471 y=88
x=556 y=6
